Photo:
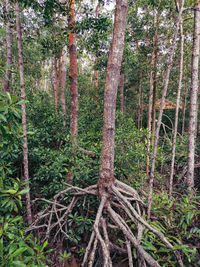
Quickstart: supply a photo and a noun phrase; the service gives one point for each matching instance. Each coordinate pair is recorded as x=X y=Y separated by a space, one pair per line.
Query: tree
x=193 y=97
x=6 y=87
x=23 y=107
x=73 y=73
x=164 y=92
x=122 y=91
x=110 y=94
x=177 y=105
x=54 y=71
x=63 y=70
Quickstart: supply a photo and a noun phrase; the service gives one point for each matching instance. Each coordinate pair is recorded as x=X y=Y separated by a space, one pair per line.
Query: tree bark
x=111 y=85
x=152 y=91
x=23 y=107
x=55 y=71
x=6 y=87
x=193 y=97
x=73 y=74
x=164 y=92
x=63 y=74
x=96 y=71
x=177 y=107
x=122 y=92
x=184 y=103
x=155 y=60
x=139 y=100
x=54 y=80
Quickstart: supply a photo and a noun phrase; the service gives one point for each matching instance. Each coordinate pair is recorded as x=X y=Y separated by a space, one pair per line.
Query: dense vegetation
x=61 y=162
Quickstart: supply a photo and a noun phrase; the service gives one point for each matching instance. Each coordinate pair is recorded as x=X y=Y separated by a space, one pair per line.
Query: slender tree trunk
x=149 y=114
x=96 y=71
x=59 y=73
x=23 y=107
x=164 y=92
x=54 y=64
x=177 y=107
x=53 y=81
x=63 y=82
x=6 y=87
x=141 y=119
x=56 y=82
x=155 y=48
x=193 y=97
x=184 y=103
x=63 y=74
x=152 y=92
x=110 y=94
x=122 y=92
x=73 y=74
x=139 y=100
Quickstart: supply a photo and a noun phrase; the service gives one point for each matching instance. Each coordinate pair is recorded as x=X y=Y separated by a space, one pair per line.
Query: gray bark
x=23 y=107
x=110 y=94
x=177 y=108
x=184 y=102
x=193 y=97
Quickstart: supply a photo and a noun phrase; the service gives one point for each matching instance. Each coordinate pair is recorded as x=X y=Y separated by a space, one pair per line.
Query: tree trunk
x=59 y=74
x=152 y=91
x=155 y=49
x=96 y=71
x=184 y=103
x=122 y=92
x=6 y=87
x=164 y=92
x=55 y=71
x=73 y=74
x=63 y=82
x=110 y=94
x=139 y=100
x=193 y=97
x=23 y=107
x=63 y=74
x=141 y=119
x=177 y=108
x=54 y=80
x=149 y=114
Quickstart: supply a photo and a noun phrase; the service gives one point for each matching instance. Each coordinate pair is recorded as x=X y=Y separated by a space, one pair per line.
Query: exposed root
x=130 y=258
x=92 y=255
x=129 y=235
x=116 y=205
x=88 y=248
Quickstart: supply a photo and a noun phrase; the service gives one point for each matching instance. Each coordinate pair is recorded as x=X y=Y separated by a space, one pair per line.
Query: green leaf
x=24 y=191
x=45 y=244
x=18 y=252
x=19 y=264
x=1 y=249
x=10 y=191
x=3 y=118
